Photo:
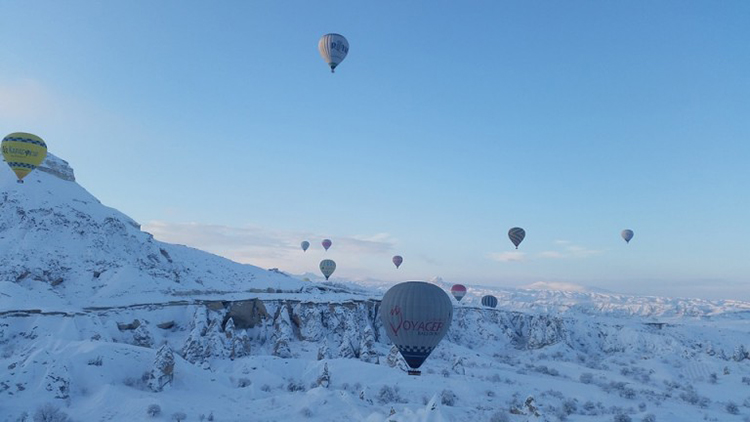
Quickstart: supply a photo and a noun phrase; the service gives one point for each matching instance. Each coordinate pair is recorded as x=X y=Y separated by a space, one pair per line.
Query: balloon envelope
x=516 y=235
x=416 y=315
x=397 y=260
x=458 y=291
x=627 y=234
x=489 y=300
x=327 y=267
x=326 y=243
x=305 y=244
x=333 y=48
x=23 y=152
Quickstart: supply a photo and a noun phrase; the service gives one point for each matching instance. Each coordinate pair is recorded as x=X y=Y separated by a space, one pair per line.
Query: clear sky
x=219 y=126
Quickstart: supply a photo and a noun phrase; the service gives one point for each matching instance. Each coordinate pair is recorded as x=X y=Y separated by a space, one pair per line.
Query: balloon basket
x=414 y=372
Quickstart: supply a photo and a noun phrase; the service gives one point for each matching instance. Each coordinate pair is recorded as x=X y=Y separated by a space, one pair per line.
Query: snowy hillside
x=99 y=321
x=63 y=247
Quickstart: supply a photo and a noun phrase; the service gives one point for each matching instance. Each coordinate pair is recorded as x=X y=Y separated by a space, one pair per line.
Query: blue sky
x=218 y=125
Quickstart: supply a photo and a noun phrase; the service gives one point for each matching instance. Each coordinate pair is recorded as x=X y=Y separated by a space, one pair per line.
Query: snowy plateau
x=99 y=321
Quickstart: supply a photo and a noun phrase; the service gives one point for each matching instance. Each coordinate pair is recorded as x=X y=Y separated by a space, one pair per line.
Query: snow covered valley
x=99 y=322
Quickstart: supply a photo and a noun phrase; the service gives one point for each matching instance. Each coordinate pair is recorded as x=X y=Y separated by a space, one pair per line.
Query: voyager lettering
x=422 y=328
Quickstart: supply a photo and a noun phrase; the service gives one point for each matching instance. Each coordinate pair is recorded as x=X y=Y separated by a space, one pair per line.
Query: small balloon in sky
x=489 y=300
x=333 y=48
x=397 y=260
x=23 y=152
x=416 y=315
x=458 y=291
x=516 y=235
x=326 y=243
x=327 y=267
x=305 y=244
x=627 y=234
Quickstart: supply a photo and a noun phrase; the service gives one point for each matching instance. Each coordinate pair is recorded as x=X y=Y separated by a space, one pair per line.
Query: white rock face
x=57 y=167
x=162 y=372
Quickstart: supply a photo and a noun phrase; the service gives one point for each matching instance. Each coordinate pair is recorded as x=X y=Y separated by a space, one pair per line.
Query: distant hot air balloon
x=23 y=152
x=627 y=234
x=458 y=291
x=516 y=235
x=416 y=315
x=333 y=48
x=327 y=267
x=489 y=300
x=305 y=244
x=397 y=260
x=326 y=243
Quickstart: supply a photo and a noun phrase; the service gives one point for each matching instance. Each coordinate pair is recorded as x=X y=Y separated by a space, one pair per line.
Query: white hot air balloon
x=327 y=267
x=333 y=48
x=416 y=315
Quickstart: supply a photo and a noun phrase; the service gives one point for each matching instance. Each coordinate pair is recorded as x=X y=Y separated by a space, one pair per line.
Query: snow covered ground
x=99 y=321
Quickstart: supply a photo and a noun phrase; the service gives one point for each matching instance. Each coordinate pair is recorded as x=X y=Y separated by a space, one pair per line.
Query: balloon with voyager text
x=416 y=315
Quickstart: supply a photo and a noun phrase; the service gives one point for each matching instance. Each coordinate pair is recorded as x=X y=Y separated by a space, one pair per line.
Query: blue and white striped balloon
x=490 y=301
x=516 y=235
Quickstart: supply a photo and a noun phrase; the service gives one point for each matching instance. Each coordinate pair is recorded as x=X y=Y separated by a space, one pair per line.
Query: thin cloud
x=552 y=254
x=378 y=243
x=263 y=247
x=569 y=250
x=514 y=256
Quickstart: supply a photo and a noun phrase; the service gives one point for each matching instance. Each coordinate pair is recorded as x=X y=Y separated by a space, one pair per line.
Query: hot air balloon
x=397 y=260
x=327 y=267
x=627 y=234
x=326 y=243
x=489 y=300
x=23 y=152
x=416 y=315
x=305 y=244
x=333 y=48
x=516 y=235
x=458 y=291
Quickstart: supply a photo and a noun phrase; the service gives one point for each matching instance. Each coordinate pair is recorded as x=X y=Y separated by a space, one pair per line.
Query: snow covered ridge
x=64 y=250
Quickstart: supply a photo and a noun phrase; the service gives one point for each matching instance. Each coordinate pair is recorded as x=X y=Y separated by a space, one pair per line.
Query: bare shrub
x=448 y=398
x=50 y=413
x=388 y=394
x=153 y=410
x=732 y=408
x=296 y=386
x=499 y=416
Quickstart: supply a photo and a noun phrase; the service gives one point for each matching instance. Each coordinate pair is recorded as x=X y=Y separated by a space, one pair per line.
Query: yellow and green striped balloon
x=23 y=152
